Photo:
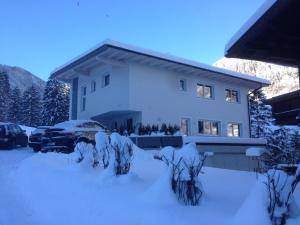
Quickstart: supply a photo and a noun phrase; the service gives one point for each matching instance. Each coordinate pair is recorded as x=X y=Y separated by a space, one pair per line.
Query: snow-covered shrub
x=103 y=148
x=123 y=149
x=85 y=152
x=283 y=148
x=184 y=167
x=281 y=184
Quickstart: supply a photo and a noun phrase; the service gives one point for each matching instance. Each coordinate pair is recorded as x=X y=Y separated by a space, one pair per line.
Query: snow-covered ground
x=50 y=189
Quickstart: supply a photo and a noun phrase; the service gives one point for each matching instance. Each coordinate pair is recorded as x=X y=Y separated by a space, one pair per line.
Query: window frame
x=104 y=84
x=184 y=88
x=199 y=84
x=211 y=122
x=230 y=95
x=232 y=129
x=93 y=86
x=83 y=98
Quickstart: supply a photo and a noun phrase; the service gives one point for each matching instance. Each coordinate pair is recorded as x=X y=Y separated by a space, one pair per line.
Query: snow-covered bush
x=123 y=149
x=283 y=148
x=85 y=153
x=184 y=167
x=281 y=184
x=103 y=148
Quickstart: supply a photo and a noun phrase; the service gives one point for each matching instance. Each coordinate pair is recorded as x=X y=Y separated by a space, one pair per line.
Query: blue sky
x=40 y=35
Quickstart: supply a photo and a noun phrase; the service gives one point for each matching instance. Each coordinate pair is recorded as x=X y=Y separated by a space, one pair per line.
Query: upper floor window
x=232 y=95
x=182 y=85
x=204 y=91
x=93 y=86
x=208 y=127
x=106 y=80
x=233 y=129
x=83 y=98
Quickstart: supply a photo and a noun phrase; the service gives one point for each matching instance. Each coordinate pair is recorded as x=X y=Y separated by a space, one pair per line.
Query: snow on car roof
x=73 y=123
x=167 y=57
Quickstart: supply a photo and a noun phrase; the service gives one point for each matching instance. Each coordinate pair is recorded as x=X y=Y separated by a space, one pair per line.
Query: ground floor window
x=233 y=129
x=185 y=126
x=208 y=127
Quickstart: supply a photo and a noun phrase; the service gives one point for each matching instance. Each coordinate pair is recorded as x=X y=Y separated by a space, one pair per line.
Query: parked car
x=35 y=139
x=62 y=137
x=11 y=136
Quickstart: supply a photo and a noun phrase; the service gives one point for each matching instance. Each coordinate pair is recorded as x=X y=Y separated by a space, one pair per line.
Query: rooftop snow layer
x=167 y=57
x=250 y=22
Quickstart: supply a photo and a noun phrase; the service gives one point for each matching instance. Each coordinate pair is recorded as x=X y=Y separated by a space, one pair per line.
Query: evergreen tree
x=4 y=95
x=260 y=115
x=31 y=107
x=56 y=102
x=14 y=110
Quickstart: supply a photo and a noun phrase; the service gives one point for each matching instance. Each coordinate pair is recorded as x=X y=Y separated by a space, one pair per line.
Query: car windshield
x=39 y=131
x=2 y=130
x=90 y=125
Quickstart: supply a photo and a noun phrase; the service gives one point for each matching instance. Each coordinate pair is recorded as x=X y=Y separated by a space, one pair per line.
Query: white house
x=116 y=83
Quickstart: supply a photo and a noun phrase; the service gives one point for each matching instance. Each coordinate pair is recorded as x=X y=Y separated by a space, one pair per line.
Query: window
x=83 y=98
x=208 y=127
x=182 y=85
x=204 y=91
x=233 y=130
x=93 y=86
x=232 y=95
x=106 y=80
x=185 y=126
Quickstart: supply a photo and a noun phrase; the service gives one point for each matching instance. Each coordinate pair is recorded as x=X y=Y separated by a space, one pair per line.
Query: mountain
x=23 y=78
x=283 y=79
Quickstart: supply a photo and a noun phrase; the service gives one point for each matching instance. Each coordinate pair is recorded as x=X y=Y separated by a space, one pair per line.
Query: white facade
x=144 y=89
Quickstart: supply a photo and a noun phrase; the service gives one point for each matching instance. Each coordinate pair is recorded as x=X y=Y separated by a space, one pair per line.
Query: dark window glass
x=204 y=91
x=93 y=86
x=106 y=80
x=233 y=130
x=182 y=85
x=208 y=127
x=231 y=95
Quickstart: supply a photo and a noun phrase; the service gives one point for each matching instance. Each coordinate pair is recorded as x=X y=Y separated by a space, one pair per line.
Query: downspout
x=249 y=122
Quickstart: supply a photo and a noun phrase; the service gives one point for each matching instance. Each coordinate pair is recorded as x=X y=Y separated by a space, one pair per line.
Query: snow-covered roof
x=149 y=53
x=249 y=23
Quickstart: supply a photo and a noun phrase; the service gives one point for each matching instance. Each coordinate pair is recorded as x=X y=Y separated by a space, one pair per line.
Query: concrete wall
x=113 y=97
x=238 y=161
x=156 y=93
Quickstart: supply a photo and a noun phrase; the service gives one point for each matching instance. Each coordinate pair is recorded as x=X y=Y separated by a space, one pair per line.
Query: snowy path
x=12 y=208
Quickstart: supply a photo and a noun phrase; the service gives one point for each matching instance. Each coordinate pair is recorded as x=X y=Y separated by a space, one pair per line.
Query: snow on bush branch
x=123 y=149
x=115 y=151
x=184 y=167
x=281 y=184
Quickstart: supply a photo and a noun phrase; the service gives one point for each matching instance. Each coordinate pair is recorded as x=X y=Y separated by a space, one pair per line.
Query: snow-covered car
x=11 y=136
x=62 y=137
x=35 y=139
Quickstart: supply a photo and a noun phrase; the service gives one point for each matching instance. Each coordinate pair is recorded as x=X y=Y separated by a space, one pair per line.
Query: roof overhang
x=272 y=35
x=115 y=53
